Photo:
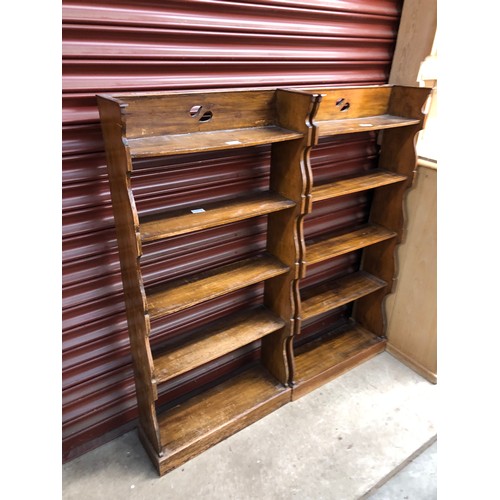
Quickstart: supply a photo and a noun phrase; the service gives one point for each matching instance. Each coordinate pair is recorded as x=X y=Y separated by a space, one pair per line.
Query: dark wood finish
x=323 y=359
x=129 y=247
x=204 y=420
x=323 y=298
x=170 y=113
x=137 y=125
x=333 y=246
x=366 y=124
x=371 y=180
x=358 y=109
x=397 y=111
x=162 y=124
x=221 y=338
x=217 y=140
x=186 y=220
x=280 y=292
x=290 y=177
x=398 y=155
x=183 y=293
x=369 y=100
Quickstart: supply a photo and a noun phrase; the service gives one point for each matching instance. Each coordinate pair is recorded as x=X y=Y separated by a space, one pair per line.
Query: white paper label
x=197 y=211
x=365 y=125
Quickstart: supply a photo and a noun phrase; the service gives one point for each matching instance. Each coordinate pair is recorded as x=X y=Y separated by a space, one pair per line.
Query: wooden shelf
x=323 y=298
x=183 y=293
x=373 y=179
x=334 y=246
x=220 y=338
x=165 y=145
x=184 y=221
x=365 y=124
x=328 y=357
x=200 y=422
x=147 y=125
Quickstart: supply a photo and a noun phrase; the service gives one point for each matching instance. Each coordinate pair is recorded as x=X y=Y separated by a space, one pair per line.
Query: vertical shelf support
x=397 y=155
x=129 y=248
x=291 y=178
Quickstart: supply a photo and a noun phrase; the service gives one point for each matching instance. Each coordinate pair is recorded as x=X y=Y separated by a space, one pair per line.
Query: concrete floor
x=340 y=442
x=417 y=480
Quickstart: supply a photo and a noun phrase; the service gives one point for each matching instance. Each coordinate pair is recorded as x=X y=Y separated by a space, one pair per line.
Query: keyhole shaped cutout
x=342 y=102
x=207 y=116
x=195 y=111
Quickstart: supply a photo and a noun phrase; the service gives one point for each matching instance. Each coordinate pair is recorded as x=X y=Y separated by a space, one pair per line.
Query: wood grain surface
x=325 y=297
x=323 y=359
x=187 y=292
x=333 y=246
x=147 y=147
x=224 y=336
x=204 y=420
x=187 y=220
x=371 y=180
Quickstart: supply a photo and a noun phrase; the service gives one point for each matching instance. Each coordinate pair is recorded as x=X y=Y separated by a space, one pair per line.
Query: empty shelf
x=221 y=338
x=365 y=124
x=214 y=214
x=373 y=179
x=347 y=242
x=327 y=357
x=204 y=420
x=323 y=298
x=196 y=142
x=183 y=293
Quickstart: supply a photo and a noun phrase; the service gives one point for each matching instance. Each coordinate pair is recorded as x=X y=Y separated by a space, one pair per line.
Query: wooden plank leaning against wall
x=412 y=309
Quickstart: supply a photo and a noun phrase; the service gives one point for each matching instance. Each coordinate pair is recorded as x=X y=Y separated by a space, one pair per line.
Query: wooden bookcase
x=397 y=111
x=147 y=125
x=157 y=124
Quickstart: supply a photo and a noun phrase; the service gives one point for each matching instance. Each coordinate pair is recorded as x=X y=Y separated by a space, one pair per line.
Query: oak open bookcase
x=157 y=124
x=397 y=111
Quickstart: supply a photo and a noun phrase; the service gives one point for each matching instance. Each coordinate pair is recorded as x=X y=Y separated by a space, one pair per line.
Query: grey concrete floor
x=339 y=442
x=415 y=481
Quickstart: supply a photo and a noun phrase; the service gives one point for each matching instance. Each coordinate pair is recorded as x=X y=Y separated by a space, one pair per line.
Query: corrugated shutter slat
x=134 y=46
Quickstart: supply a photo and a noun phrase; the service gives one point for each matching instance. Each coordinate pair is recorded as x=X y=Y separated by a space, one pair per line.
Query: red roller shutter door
x=119 y=45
